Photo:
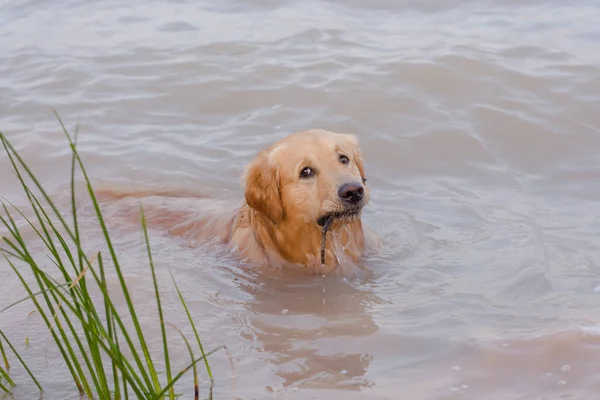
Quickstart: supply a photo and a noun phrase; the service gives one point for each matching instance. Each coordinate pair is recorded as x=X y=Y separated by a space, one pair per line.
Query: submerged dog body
x=292 y=189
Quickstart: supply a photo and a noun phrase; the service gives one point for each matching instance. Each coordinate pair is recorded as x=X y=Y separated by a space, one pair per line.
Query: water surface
x=480 y=126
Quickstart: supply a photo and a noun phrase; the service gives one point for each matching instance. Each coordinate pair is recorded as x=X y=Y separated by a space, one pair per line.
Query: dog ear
x=262 y=188
x=358 y=156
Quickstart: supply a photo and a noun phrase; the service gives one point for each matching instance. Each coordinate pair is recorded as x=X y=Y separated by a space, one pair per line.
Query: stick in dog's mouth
x=327 y=220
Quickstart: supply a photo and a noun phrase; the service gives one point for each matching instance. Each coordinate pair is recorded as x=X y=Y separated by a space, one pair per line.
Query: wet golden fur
x=277 y=222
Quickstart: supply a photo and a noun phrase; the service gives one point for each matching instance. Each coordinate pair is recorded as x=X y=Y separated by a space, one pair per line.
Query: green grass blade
x=19 y=254
x=5 y=375
x=21 y=361
x=187 y=311
x=14 y=155
x=125 y=391
x=109 y=325
x=27 y=298
x=73 y=197
x=182 y=372
x=160 y=312
x=10 y=253
x=187 y=343
x=4 y=388
x=26 y=219
x=4 y=358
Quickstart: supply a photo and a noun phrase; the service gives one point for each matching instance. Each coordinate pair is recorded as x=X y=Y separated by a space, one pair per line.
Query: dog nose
x=351 y=192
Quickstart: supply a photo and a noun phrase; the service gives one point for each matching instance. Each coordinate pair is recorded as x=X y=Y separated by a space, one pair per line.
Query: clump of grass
x=91 y=338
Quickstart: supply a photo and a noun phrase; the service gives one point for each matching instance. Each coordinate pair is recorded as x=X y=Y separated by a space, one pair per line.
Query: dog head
x=308 y=177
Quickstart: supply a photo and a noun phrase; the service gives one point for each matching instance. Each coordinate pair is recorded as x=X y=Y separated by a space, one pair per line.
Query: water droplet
x=548 y=373
x=565 y=368
x=454 y=389
x=456 y=368
x=562 y=383
x=285 y=311
x=464 y=386
x=343 y=372
x=597 y=289
x=504 y=344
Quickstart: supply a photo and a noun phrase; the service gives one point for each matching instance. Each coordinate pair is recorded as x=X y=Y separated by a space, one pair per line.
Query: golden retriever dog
x=310 y=181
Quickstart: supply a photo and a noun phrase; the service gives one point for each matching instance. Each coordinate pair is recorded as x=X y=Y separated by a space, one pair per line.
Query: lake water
x=480 y=125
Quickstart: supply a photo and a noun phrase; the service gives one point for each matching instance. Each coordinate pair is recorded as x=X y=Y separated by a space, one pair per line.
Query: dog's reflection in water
x=311 y=328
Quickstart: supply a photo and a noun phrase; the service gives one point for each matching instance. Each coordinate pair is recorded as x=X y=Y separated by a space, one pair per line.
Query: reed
x=105 y=358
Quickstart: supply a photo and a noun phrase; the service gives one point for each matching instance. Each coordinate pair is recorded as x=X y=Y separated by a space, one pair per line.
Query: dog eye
x=306 y=172
x=344 y=159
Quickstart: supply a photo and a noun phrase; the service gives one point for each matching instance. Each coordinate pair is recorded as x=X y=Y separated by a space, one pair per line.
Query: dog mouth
x=326 y=220
x=343 y=216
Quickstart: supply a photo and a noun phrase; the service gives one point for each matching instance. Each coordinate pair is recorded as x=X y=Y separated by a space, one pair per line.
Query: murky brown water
x=481 y=130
